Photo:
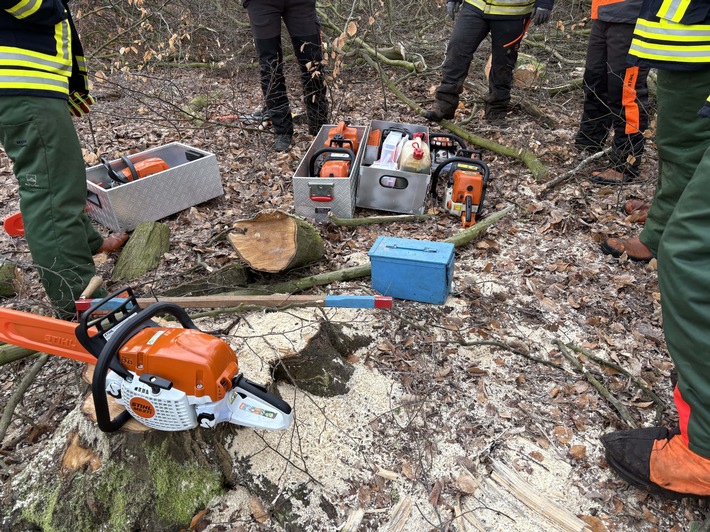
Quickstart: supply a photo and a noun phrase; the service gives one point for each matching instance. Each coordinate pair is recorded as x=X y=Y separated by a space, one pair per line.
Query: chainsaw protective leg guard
x=469 y=31
x=310 y=58
x=39 y=137
x=682 y=140
x=506 y=34
x=683 y=266
x=273 y=84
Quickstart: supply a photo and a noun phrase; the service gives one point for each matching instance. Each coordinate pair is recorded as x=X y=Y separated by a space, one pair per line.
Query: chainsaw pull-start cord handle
x=109 y=354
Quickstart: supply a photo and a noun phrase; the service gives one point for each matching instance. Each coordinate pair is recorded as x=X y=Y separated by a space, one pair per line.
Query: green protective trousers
x=39 y=137
x=684 y=250
x=681 y=139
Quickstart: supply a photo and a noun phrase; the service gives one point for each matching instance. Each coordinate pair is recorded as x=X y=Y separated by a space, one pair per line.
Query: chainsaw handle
x=318 y=153
x=433 y=145
x=109 y=354
x=112 y=174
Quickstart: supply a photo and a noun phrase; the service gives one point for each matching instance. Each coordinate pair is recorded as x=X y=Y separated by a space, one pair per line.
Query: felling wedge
x=168 y=379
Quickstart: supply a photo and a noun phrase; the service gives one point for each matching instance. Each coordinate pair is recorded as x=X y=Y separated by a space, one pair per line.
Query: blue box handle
x=427 y=250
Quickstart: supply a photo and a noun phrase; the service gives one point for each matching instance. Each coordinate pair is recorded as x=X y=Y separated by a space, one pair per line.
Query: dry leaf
x=595 y=524
x=578 y=452
x=408 y=470
x=466 y=483
x=352 y=29
x=257 y=510
x=435 y=493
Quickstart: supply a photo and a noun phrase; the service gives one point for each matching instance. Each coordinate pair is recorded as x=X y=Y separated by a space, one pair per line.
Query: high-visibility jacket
x=673 y=35
x=517 y=8
x=623 y=11
x=40 y=53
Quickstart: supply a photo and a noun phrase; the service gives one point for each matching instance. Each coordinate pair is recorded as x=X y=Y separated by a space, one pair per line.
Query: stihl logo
x=142 y=407
x=59 y=340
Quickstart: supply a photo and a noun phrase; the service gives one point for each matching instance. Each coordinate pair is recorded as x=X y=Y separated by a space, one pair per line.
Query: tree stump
x=274 y=241
x=143 y=251
x=9 y=280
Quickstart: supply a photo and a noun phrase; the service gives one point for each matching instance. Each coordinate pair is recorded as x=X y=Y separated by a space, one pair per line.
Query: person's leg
x=469 y=31
x=681 y=140
x=265 y=21
x=596 y=116
x=304 y=28
x=628 y=101
x=40 y=139
x=506 y=35
x=677 y=462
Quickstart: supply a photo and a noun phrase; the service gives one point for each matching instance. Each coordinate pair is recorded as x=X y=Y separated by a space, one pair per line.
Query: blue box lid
x=412 y=250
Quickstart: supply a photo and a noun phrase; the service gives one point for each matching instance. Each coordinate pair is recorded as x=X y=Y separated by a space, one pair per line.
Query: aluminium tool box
x=192 y=178
x=392 y=190
x=418 y=270
x=314 y=196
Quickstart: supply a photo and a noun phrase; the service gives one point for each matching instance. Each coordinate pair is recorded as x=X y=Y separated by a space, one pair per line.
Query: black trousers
x=470 y=30
x=303 y=26
x=615 y=97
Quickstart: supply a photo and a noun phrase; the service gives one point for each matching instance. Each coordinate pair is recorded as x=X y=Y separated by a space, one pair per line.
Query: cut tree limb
x=354 y=222
x=143 y=251
x=11 y=353
x=274 y=241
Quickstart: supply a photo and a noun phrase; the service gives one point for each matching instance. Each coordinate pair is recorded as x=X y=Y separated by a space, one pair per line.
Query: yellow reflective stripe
x=672 y=32
x=80 y=63
x=25 y=8
x=673 y=10
x=62 y=35
x=665 y=52
x=25 y=58
x=513 y=7
x=28 y=79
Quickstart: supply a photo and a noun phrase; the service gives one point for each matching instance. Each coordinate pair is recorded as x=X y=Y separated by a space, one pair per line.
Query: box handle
x=426 y=250
x=395 y=182
x=93 y=197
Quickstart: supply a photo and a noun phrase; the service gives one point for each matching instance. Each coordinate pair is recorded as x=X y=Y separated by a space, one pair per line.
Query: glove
x=452 y=7
x=79 y=103
x=540 y=15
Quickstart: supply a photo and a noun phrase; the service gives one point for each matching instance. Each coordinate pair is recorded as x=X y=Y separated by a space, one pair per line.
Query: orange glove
x=79 y=103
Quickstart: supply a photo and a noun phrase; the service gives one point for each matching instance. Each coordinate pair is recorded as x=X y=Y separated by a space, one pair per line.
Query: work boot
x=633 y=247
x=612 y=177
x=637 y=210
x=658 y=460
x=282 y=143
x=112 y=242
x=437 y=114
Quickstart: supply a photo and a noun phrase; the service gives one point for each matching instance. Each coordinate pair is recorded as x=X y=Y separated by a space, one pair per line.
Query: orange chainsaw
x=167 y=378
x=465 y=188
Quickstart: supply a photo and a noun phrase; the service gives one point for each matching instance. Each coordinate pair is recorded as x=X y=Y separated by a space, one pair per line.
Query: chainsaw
x=134 y=171
x=168 y=379
x=338 y=156
x=444 y=146
x=465 y=188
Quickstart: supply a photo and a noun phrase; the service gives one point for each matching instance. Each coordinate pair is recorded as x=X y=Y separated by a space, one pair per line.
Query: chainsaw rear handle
x=109 y=355
x=323 y=151
x=340 y=141
x=454 y=161
x=113 y=174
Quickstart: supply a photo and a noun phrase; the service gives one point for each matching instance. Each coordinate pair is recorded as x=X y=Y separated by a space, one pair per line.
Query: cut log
x=10 y=353
x=143 y=251
x=274 y=241
x=223 y=280
x=9 y=280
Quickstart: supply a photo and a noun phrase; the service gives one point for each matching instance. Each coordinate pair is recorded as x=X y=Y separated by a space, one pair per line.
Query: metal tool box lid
x=412 y=250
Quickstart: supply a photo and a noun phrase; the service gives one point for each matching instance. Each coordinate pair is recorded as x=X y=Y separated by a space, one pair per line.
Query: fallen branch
x=354 y=222
x=467 y=235
x=11 y=353
x=19 y=393
x=564 y=177
x=537 y=169
x=618 y=406
x=660 y=403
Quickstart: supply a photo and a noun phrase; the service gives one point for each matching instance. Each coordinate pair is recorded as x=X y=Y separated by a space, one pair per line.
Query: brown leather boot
x=658 y=460
x=112 y=242
x=637 y=210
x=633 y=247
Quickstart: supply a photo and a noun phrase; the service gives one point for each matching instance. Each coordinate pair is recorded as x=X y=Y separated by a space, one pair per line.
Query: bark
x=274 y=241
x=143 y=251
x=9 y=277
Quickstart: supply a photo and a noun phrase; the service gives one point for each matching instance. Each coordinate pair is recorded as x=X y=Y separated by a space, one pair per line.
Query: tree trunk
x=143 y=251
x=274 y=241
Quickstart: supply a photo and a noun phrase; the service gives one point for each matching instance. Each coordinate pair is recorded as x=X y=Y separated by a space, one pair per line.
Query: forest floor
x=446 y=400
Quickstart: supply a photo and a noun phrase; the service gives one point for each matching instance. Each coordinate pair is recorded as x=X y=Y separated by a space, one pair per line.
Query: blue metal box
x=412 y=269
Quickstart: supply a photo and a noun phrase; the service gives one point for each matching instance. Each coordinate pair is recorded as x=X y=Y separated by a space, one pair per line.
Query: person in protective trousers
x=615 y=93
x=304 y=28
x=506 y=21
x=44 y=83
x=673 y=36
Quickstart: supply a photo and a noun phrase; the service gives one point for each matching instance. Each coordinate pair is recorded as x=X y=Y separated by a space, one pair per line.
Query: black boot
x=439 y=113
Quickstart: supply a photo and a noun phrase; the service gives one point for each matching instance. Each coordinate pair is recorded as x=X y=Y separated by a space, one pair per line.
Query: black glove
x=452 y=7
x=540 y=15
